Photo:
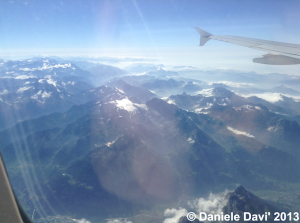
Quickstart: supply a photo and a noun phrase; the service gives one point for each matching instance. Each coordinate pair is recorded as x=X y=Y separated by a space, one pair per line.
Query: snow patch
x=248 y=107
x=46 y=66
x=82 y=221
x=36 y=96
x=201 y=111
x=206 y=92
x=190 y=140
x=272 y=129
x=142 y=106
x=51 y=81
x=46 y=95
x=71 y=82
x=50 y=67
x=170 y=101
x=239 y=132
x=119 y=220
x=22 y=89
x=28 y=69
x=43 y=95
x=25 y=77
x=127 y=105
x=120 y=90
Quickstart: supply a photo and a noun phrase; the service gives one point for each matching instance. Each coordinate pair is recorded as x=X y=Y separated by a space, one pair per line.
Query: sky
x=156 y=29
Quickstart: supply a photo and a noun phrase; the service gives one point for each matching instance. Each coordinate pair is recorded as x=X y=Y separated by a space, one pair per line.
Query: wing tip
x=204 y=36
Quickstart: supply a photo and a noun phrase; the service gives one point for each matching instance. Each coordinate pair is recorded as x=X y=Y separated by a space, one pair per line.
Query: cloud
x=211 y=205
x=173 y=215
x=273 y=97
x=268 y=96
x=239 y=132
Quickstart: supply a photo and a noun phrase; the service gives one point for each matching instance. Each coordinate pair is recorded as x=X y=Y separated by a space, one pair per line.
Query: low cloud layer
x=173 y=215
x=233 y=84
x=271 y=97
x=211 y=205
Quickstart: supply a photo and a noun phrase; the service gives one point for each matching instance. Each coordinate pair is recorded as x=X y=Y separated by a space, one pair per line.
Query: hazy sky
x=160 y=29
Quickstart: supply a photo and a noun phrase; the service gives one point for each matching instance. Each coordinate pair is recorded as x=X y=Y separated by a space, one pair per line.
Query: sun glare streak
x=146 y=27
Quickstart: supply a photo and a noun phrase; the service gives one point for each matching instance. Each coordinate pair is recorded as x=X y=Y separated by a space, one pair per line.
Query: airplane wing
x=278 y=53
x=11 y=210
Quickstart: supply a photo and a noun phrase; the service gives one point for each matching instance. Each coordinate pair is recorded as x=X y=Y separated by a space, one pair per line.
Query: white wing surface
x=278 y=53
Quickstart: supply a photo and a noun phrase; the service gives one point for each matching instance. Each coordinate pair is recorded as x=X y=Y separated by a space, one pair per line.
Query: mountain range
x=151 y=145
x=139 y=143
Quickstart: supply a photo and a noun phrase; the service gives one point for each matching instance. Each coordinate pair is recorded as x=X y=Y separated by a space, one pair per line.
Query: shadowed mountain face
x=241 y=201
x=133 y=155
x=143 y=146
x=185 y=220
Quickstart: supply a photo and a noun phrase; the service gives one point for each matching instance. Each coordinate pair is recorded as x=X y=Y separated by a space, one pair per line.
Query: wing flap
x=276 y=60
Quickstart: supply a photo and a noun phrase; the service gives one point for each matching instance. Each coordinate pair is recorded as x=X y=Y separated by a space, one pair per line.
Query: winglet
x=204 y=36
